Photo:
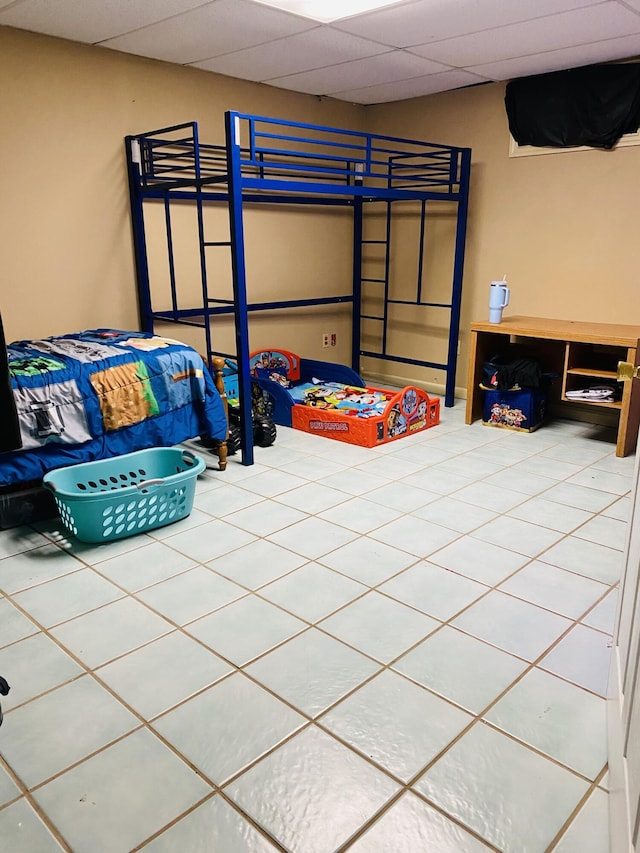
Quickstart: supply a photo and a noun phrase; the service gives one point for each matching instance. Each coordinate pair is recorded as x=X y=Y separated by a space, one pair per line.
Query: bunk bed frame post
x=132 y=146
x=356 y=309
x=458 y=269
x=234 y=169
x=387 y=270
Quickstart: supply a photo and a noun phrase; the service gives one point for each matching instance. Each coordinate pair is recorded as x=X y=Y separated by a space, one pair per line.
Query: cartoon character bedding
x=102 y=393
x=333 y=400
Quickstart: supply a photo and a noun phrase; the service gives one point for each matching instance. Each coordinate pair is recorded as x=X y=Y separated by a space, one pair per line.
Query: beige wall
x=563 y=227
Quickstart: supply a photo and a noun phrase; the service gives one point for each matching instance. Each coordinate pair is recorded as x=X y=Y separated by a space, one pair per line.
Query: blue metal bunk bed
x=280 y=162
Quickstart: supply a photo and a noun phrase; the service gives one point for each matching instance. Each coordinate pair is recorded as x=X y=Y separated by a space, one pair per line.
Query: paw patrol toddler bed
x=332 y=400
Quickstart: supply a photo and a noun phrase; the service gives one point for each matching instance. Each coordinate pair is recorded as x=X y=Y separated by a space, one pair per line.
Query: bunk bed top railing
x=355 y=156
x=274 y=153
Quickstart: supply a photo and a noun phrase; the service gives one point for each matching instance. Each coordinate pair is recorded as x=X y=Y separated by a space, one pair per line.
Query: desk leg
x=471 y=413
x=630 y=411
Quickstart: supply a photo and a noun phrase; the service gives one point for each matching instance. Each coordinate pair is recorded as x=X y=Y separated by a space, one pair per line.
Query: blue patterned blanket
x=102 y=393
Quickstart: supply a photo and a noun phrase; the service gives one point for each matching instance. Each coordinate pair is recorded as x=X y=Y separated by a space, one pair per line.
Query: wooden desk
x=582 y=353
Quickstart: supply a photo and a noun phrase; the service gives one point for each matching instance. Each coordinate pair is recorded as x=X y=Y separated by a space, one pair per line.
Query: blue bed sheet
x=104 y=392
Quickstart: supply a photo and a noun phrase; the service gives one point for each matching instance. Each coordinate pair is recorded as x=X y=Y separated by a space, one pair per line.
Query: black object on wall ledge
x=592 y=106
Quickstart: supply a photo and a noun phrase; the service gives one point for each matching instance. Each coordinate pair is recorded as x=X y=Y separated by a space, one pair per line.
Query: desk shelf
x=600 y=404
x=596 y=374
x=588 y=364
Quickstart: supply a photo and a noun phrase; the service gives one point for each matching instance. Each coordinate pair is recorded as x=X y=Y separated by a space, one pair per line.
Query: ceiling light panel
x=326 y=11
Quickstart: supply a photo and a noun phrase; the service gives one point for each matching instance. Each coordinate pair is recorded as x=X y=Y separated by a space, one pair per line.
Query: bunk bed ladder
x=360 y=244
x=202 y=245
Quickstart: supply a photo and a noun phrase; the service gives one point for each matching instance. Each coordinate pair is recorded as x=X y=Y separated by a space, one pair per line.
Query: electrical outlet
x=334 y=339
x=325 y=339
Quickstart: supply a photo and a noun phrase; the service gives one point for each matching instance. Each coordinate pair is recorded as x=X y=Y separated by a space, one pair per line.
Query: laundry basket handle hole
x=145 y=484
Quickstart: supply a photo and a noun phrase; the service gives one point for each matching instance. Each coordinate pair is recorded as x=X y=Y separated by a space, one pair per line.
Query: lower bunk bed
x=332 y=400
x=95 y=395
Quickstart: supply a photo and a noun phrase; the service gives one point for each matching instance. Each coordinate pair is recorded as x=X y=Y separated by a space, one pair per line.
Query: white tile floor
x=394 y=651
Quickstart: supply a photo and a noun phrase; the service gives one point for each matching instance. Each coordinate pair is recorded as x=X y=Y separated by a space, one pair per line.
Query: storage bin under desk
x=522 y=410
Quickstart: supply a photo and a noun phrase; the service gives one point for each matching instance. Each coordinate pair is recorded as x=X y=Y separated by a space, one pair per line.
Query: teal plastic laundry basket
x=113 y=498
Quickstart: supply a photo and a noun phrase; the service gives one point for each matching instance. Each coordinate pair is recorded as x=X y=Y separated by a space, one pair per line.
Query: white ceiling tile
x=531 y=37
x=635 y=4
x=212 y=30
x=385 y=68
x=316 y=48
x=415 y=88
x=90 y=21
x=432 y=20
x=557 y=60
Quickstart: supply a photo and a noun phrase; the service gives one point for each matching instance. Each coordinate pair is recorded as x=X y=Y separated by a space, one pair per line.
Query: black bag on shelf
x=505 y=372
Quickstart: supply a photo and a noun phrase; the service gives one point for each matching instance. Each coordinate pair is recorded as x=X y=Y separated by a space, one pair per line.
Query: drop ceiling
x=414 y=48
